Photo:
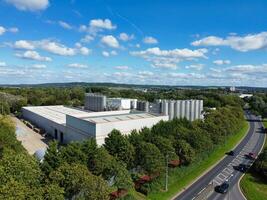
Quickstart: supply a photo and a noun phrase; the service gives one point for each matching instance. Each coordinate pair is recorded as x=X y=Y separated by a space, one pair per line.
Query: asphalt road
x=223 y=171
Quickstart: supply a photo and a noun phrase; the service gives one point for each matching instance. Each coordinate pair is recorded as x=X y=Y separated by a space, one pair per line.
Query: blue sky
x=144 y=42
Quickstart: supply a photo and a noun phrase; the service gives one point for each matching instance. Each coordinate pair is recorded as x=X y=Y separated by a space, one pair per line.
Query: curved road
x=223 y=171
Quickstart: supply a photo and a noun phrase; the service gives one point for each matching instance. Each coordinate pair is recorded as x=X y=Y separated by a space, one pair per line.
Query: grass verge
x=253 y=186
x=181 y=177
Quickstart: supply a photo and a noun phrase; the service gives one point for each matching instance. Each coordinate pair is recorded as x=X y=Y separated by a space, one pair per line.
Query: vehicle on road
x=241 y=167
x=251 y=156
x=223 y=188
x=230 y=153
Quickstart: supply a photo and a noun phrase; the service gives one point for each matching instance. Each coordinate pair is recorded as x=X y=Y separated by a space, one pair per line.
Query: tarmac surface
x=224 y=171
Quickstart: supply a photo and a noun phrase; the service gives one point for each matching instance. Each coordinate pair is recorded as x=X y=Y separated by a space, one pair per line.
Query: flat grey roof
x=58 y=114
x=120 y=117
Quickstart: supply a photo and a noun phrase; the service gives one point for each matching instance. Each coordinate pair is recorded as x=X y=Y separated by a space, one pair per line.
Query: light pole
x=166 y=178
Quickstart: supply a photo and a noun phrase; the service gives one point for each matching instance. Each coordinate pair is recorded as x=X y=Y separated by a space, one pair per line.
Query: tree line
x=86 y=171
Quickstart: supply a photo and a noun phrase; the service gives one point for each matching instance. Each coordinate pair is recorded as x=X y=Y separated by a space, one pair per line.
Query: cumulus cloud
x=196 y=67
x=87 y=39
x=23 y=44
x=150 y=40
x=105 y=53
x=97 y=25
x=65 y=25
x=169 y=58
x=53 y=47
x=187 y=76
x=110 y=41
x=145 y=73
x=85 y=51
x=3 y=64
x=33 y=55
x=240 y=43
x=29 y=5
x=2 y=30
x=77 y=65
x=122 y=67
x=39 y=66
x=125 y=37
x=221 y=62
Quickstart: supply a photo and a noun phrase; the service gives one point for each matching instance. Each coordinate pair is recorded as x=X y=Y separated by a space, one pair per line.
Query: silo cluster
x=95 y=102
x=143 y=106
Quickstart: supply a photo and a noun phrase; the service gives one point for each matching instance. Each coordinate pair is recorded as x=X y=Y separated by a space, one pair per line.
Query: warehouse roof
x=119 y=117
x=56 y=113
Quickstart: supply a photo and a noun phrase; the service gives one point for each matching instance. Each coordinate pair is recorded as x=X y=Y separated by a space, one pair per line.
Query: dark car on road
x=251 y=156
x=223 y=188
x=241 y=167
x=230 y=153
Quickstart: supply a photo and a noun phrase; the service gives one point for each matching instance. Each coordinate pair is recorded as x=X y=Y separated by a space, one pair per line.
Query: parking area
x=31 y=140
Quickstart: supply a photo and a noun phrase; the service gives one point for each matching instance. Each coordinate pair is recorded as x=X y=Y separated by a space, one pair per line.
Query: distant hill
x=133 y=86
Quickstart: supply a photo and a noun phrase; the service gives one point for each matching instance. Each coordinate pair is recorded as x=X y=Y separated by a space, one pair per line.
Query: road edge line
x=238 y=185
x=211 y=167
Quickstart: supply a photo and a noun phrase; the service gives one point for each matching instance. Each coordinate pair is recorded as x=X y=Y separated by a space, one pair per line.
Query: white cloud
x=53 y=47
x=31 y=5
x=33 y=55
x=145 y=73
x=85 y=51
x=56 y=48
x=77 y=65
x=240 y=43
x=125 y=37
x=196 y=67
x=110 y=41
x=122 y=67
x=169 y=58
x=187 y=76
x=150 y=40
x=65 y=25
x=102 y=24
x=87 y=39
x=3 y=64
x=97 y=25
x=39 y=66
x=105 y=53
x=221 y=62
x=23 y=44
x=2 y=30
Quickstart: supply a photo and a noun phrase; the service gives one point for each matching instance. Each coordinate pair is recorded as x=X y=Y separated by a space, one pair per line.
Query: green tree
x=79 y=183
x=118 y=146
x=184 y=151
x=149 y=157
x=52 y=158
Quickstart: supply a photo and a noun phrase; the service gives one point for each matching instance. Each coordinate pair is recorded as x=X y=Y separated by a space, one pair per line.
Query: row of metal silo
x=189 y=109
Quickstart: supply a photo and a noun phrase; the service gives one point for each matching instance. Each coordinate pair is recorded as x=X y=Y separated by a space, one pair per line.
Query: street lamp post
x=166 y=178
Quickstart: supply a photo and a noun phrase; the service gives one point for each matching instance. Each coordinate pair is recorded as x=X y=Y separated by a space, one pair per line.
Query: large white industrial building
x=68 y=124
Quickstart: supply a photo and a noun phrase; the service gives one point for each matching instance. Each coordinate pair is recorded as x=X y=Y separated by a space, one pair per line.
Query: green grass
x=252 y=185
x=181 y=177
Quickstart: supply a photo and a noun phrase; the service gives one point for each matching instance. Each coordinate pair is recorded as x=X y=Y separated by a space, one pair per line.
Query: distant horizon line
x=129 y=84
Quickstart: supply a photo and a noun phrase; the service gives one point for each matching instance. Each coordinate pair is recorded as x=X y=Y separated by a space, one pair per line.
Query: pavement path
x=223 y=171
x=30 y=140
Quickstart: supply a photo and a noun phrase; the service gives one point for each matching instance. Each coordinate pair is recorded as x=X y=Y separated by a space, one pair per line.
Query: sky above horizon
x=186 y=42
